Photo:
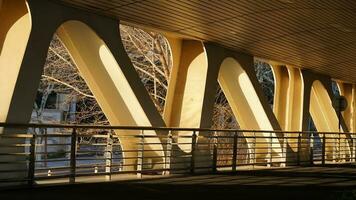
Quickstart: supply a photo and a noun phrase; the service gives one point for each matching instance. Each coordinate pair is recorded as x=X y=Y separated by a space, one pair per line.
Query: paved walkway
x=283 y=183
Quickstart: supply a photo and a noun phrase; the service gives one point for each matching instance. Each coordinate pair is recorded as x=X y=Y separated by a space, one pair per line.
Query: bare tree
x=151 y=56
x=265 y=78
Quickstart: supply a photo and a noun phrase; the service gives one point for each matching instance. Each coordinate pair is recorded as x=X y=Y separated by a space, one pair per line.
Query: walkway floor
x=283 y=183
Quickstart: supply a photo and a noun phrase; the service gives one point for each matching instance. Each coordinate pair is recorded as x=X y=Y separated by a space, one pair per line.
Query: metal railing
x=33 y=152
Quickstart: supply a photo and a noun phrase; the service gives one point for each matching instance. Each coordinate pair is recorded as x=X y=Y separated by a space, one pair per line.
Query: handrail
x=215 y=151
x=150 y=128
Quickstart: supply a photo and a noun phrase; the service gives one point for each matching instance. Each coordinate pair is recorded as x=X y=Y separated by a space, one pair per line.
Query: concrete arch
x=326 y=120
x=301 y=94
x=288 y=107
x=103 y=37
x=348 y=91
x=187 y=87
x=288 y=97
x=246 y=105
x=15 y=28
x=109 y=85
x=321 y=110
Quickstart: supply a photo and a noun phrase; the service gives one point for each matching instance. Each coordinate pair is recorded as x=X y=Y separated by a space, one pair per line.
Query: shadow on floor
x=288 y=183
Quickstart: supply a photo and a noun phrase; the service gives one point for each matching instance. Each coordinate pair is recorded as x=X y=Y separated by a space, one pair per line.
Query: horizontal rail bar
x=34 y=125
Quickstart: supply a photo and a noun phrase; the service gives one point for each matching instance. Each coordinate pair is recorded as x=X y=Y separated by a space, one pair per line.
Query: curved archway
x=247 y=107
x=326 y=120
x=110 y=87
x=15 y=28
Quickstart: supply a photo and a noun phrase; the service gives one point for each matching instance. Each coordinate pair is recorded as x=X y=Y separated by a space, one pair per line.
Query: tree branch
x=67 y=85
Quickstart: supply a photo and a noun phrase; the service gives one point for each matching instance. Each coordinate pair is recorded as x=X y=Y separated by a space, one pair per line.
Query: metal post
x=140 y=155
x=351 y=149
x=234 y=153
x=270 y=150
x=284 y=150
x=215 y=153
x=168 y=153
x=299 y=148
x=334 y=150
x=73 y=156
x=254 y=150
x=323 y=150
x=311 y=149
x=192 y=160
x=339 y=147
x=32 y=161
x=108 y=154
x=354 y=149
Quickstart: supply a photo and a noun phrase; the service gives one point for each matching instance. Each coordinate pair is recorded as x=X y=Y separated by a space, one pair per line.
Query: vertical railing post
x=254 y=159
x=270 y=152
x=234 y=153
x=339 y=148
x=192 y=159
x=311 y=148
x=299 y=149
x=323 y=150
x=353 y=149
x=215 y=153
x=32 y=161
x=284 y=150
x=140 y=156
x=73 y=156
x=334 y=149
x=108 y=154
x=167 y=167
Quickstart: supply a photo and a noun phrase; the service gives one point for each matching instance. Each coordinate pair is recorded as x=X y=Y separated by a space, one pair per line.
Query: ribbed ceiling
x=314 y=34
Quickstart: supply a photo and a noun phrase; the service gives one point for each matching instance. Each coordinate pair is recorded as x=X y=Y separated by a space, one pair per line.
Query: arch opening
x=265 y=77
x=63 y=97
x=335 y=88
x=108 y=85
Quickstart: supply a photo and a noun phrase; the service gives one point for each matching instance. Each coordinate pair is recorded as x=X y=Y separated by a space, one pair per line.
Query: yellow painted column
x=281 y=85
x=248 y=109
x=347 y=90
x=175 y=45
x=15 y=27
x=288 y=106
x=186 y=89
x=186 y=95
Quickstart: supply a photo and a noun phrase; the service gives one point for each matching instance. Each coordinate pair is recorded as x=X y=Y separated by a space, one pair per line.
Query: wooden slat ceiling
x=316 y=34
